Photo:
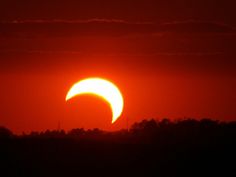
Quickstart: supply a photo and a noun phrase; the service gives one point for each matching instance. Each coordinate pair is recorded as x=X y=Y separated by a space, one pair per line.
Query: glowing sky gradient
x=169 y=58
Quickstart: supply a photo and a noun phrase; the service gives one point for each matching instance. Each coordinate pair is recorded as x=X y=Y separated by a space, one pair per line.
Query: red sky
x=170 y=59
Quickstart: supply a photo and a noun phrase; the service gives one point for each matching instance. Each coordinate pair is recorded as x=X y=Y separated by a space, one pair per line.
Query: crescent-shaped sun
x=100 y=87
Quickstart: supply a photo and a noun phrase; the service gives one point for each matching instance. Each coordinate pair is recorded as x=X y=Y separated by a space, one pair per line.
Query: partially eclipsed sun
x=102 y=88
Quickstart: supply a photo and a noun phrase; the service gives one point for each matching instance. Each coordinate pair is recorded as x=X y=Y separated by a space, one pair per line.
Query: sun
x=102 y=88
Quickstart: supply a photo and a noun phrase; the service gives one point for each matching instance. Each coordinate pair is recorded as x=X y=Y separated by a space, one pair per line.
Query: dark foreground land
x=149 y=148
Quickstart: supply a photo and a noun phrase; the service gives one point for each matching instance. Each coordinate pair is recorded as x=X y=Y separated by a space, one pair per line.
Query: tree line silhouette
x=185 y=147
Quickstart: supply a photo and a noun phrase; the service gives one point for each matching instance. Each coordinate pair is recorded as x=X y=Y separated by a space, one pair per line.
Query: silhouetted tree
x=5 y=133
x=144 y=125
x=75 y=133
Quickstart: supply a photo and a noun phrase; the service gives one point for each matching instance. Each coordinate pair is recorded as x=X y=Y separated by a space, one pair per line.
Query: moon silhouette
x=102 y=88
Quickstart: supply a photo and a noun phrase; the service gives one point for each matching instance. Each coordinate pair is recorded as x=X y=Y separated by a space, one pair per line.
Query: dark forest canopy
x=144 y=131
x=149 y=148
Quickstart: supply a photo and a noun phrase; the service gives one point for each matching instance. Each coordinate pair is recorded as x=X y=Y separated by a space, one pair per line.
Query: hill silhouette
x=149 y=148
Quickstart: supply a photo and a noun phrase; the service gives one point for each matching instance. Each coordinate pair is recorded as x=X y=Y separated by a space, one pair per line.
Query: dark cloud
x=108 y=27
x=156 y=34
x=140 y=10
x=197 y=27
x=117 y=36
